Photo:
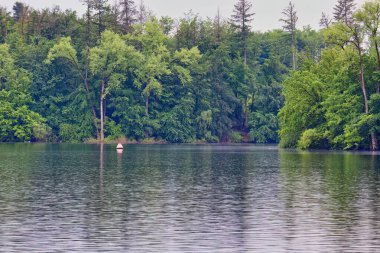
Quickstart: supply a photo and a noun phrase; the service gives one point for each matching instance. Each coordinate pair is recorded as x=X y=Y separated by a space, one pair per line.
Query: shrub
x=236 y=137
x=312 y=138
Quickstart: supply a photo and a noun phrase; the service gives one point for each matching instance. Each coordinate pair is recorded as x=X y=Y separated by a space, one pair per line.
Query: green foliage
x=176 y=125
x=312 y=139
x=264 y=128
x=111 y=57
x=374 y=103
x=63 y=49
x=17 y=121
x=68 y=133
x=42 y=132
x=113 y=130
x=346 y=76
x=236 y=137
x=69 y=78
x=302 y=109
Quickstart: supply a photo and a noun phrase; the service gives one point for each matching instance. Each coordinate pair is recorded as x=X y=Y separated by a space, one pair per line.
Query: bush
x=68 y=133
x=113 y=130
x=312 y=138
x=263 y=128
x=236 y=137
x=42 y=132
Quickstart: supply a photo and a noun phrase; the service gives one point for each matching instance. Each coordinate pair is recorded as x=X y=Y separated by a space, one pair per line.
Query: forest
x=120 y=73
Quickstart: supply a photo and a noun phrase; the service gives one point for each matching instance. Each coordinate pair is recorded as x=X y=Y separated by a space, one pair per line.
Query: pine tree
x=4 y=24
x=290 y=21
x=88 y=18
x=241 y=19
x=100 y=7
x=218 y=27
x=343 y=11
x=128 y=14
x=143 y=13
x=20 y=15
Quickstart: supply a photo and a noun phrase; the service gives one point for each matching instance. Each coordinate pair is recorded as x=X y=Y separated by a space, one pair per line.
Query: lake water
x=187 y=198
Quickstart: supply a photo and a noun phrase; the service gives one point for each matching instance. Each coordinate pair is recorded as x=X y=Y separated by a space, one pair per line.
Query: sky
x=268 y=12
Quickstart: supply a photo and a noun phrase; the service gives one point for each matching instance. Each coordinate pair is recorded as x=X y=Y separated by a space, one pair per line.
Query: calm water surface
x=88 y=198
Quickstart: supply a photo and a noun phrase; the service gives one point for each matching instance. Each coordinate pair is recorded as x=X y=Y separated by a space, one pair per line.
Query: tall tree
x=354 y=35
x=18 y=10
x=143 y=13
x=63 y=49
x=241 y=19
x=187 y=34
x=100 y=8
x=218 y=27
x=290 y=21
x=155 y=60
x=89 y=21
x=4 y=24
x=109 y=62
x=128 y=14
x=369 y=15
x=20 y=15
x=325 y=21
x=167 y=24
x=358 y=38
x=343 y=11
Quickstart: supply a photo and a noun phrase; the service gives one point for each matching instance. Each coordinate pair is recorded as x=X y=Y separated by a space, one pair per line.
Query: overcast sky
x=268 y=12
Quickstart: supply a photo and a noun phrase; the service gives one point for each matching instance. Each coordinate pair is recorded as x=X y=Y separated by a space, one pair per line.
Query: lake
x=187 y=198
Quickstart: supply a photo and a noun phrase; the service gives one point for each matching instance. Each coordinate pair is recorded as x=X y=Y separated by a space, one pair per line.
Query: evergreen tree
x=143 y=13
x=241 y=19
x=100 y=8
x=20 y=15
x=18 y=11
x=128 y=14
x=343 y=11
x=88 y=17
x=290 y=21
x=4 y=24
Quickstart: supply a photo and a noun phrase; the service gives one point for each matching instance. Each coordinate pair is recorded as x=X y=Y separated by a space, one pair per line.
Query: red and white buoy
x=119 y=148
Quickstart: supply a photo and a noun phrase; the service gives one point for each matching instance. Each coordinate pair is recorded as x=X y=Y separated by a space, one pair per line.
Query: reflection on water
x=89 y=198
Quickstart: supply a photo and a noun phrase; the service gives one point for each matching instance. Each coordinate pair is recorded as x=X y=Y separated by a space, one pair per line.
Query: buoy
x=119 y=146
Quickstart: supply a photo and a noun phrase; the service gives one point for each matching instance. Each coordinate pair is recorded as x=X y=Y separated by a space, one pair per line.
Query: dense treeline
x=118 y=71
x=335 y=102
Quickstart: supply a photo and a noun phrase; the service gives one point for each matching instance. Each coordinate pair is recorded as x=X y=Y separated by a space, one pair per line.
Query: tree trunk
x=102 y=114
x=147 y=105
x=294 y=49
x=378 y=63
x=245 y=54
x=362 y=85
x=246 y=114
x=104 y=110
x=374 y=145
x=374 y=141
x=95 y=118
x=88 y=25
